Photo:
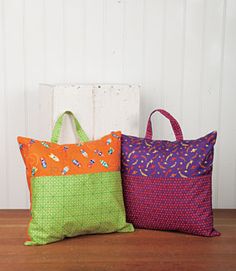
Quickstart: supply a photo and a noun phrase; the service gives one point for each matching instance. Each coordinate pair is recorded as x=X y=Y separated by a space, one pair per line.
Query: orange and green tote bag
x=75 y=189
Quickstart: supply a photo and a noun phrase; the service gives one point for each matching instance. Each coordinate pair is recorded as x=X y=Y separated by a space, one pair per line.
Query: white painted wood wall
x=182 y=53
x=99 y=109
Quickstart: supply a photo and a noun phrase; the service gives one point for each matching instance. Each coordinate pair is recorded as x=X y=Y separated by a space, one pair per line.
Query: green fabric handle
x=58 y=125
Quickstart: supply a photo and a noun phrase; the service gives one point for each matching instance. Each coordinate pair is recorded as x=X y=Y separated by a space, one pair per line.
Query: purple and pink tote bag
x=167 y=185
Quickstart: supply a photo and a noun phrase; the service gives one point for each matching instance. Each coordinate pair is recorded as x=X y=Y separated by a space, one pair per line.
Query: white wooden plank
x=34 y=61
x=79 y=100
x=15 y=99
x=74 y=20
x=113 y=41
x=211 y=69
x=227 y=143
x=151 y=95
x=54 y=41
x=210 y=78
x=94 y=41
x=133 y=42
x=45 y=121
x=116 y=108
x=194 y=47
x=173 y=42
x=3 y=136
x=94 y=107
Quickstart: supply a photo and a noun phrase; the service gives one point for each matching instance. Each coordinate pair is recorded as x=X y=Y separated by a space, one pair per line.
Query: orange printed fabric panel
x=50 y=159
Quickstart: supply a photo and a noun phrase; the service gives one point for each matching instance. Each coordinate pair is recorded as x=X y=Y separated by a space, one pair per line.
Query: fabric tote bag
x=167 y=185
x=75 y=189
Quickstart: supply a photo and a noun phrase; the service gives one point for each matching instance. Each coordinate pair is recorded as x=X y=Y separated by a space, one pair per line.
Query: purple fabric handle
x=174 y=123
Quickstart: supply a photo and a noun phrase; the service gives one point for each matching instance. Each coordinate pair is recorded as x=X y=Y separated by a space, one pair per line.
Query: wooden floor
x=142 y=250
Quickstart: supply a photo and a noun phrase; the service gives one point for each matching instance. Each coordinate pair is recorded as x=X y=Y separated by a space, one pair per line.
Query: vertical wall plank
x=153 y=55
x=210 y=77
x=74 y=17
x=194 y=51
x=211 y=66
x=94 y=41
x=174 y=40
x=15 y=99
x=54 y=41
x=133 y=45
x=113 y=41
x=3 y=135
x=34 y=61
x=227 y=143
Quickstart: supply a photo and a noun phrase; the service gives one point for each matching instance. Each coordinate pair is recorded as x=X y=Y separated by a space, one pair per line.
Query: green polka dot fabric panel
x=67 y=206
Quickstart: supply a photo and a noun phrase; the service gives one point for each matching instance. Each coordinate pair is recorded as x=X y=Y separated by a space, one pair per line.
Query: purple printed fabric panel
x=166 y=159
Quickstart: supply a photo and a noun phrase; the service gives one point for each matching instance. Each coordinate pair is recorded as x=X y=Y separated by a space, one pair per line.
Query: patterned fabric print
x=166 y=159
x=170 y=204
x=66 y=206
x=45 y=158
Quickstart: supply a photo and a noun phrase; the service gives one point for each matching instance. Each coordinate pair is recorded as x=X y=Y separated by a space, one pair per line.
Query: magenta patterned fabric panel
x=166 y=159
x=170 y=204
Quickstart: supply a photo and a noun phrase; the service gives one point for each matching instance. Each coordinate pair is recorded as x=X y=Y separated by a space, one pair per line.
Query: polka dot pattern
x=67 y=206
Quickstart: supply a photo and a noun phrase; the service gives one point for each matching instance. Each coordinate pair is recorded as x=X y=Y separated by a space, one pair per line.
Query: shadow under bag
x=167 y=185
